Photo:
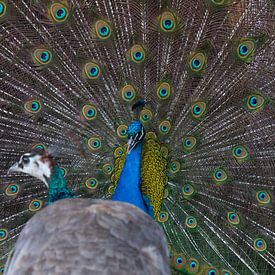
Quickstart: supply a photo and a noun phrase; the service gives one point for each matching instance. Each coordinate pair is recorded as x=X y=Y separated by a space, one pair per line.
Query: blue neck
x=128 y=187
x=58 y=186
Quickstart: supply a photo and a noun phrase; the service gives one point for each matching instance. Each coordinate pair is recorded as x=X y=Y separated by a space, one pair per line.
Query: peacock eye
x=42 y=56
x=35 y=205
x=92 y=70
x=3 y=234
x=191 y=222
x=219 y=176
x=167 y=21
x=188 y=190
x=89 y=112
x=246 y=49
x=163 y=216
x=128 y=93
x=137 y=53
x=2 y=9
x=260 y=244
x=164 y=127
x=197 y=62
x=91 y=183
x=164 y=90
x=212 y=272
x=233 y=218
x=138 y=56
x=198 y=109
x=94 y=143
x=60 y=13
x=179 y=260
x=103 y=29
x=12 y=190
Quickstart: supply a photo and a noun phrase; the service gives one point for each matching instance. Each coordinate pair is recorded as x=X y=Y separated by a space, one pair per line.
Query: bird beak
x=14 y=168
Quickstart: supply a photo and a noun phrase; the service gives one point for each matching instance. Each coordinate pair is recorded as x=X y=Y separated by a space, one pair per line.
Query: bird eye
x=25 y=159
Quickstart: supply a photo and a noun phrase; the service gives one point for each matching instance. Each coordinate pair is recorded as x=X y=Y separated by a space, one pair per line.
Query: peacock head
x=37 y=163
x=136 y=134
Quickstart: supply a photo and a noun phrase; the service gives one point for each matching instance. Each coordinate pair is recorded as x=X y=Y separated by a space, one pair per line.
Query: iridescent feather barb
x=70 y=72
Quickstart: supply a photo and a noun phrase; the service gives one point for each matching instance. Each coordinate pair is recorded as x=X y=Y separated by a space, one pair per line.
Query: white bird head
x=37 y=163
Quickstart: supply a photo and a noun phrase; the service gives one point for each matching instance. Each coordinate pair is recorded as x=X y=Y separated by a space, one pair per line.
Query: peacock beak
x=14 y=168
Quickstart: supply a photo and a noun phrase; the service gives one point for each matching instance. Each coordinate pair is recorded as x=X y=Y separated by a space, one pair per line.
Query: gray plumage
x=84 y=236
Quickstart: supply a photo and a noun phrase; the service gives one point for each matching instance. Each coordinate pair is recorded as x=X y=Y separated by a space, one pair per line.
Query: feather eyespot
x=197 y=62
x=198 y=109
x=178 y=261
x=3 y=8
x=94 y=144
x=137 y=54
x=255 y=102
x=128 y=93
x=12 y=190
x=219 y=176
x=193 y=265
x=122 y=131
x=263 y=197
x=33 y=106
x=174 y=166
x=164 y=127
x=163 y=216
x=91 y=183
x=189 y=143
x=260 y=244
x=164 y=90
x=103 y=29
x=191 y=222
x=59 y=12
x=211 y=271
x=42 y=56
x=233 y=218
x=168 y=21
x=118 y=152
x=108 y=168
x=3 y=234
x=240 y=153
x=145 y=115
x=188 y=190
x=246 y=49
x=35 y=205
x=225 y=272
x=89 y=112
x=92 y=70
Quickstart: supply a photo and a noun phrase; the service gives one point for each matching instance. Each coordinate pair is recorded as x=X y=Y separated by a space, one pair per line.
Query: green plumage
x=70 y=72
x=58 y=188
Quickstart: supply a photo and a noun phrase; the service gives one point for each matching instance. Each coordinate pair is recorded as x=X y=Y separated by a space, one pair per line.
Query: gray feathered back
x=84 y=236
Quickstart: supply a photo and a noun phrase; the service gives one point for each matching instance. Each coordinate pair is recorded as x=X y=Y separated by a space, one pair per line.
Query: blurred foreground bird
x=84 y=236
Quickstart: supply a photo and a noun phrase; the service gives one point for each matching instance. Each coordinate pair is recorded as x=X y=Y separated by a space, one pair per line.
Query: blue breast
x=128 y=187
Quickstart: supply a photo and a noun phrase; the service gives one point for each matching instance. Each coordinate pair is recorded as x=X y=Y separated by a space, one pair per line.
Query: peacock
x=174 y=96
